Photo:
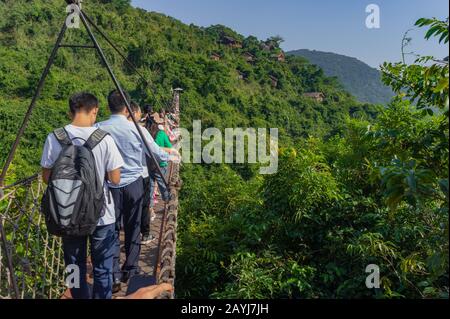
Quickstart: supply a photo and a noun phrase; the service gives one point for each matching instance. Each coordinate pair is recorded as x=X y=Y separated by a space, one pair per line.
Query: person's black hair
x=82 y=102
x=116 y=103
x=148 y=109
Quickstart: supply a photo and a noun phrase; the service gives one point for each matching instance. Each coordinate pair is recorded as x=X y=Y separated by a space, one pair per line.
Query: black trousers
x=145 y=220
x=128 y=205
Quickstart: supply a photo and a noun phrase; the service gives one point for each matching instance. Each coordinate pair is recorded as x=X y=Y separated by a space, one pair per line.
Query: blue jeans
x=102 y=252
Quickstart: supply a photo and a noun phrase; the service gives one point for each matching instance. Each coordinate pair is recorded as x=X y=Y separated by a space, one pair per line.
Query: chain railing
x=31 y=261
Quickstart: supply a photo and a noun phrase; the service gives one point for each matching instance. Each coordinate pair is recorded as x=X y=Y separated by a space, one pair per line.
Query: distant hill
x=358 y=78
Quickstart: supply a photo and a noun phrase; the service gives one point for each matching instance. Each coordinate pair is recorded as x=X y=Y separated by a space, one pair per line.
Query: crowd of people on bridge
x=125 y=165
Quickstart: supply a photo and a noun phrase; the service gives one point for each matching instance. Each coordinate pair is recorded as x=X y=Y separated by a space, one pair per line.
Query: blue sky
x=325 y=25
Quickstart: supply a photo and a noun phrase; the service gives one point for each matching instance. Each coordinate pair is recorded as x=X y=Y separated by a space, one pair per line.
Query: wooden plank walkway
x=148 y=257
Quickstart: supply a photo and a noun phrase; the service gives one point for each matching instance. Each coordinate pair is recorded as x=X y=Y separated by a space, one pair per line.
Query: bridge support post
x=12 y=275
x=86 y=23
x=176 y=104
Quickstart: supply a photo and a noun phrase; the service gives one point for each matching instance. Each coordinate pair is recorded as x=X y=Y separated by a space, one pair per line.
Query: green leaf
x=443 y=37
x=431 y=31
x=441 y=86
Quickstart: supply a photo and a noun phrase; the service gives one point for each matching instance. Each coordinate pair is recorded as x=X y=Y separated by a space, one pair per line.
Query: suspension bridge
x=31 y=261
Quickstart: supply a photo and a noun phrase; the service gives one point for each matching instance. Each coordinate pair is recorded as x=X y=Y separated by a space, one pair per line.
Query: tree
x=275 y=41
x=426 y=81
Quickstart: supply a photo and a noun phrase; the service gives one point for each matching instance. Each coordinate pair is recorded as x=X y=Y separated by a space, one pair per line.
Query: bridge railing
x=166 y=263
x=31 y=261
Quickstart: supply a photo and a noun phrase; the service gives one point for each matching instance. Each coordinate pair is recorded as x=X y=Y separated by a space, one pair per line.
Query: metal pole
x=8 y=258
x=116 y=48
x=77 y=46
x=40 y=86
x=127 y=103
x=176 y=104
x=122 y=55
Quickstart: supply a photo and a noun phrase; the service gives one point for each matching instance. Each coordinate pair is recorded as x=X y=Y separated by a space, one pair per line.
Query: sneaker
x=147 y=239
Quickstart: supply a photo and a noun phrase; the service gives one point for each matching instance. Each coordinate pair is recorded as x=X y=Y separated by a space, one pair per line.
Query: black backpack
x=74 y=200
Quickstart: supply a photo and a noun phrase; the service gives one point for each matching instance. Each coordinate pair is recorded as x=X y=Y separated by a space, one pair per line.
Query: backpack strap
x=62 y=137
x=95 y=139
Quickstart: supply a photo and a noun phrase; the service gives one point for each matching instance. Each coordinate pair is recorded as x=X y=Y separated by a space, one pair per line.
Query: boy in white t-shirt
x=108 y=161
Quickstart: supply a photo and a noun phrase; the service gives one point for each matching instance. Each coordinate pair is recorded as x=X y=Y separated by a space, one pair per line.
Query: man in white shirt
x=108 y=162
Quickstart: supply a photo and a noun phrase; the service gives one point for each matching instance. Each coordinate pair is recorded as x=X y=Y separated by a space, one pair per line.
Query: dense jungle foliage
x=357 y=184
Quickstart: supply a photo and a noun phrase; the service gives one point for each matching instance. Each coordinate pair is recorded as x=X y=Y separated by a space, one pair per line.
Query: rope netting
x=31 y=261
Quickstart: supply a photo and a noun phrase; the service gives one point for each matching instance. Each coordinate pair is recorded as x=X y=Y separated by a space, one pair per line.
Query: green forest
x=358 y=184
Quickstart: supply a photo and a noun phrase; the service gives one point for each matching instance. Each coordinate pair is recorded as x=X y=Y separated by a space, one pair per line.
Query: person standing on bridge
x=108 y=161
x=147 y=238
x=129 y=194
x=147 y=211
x=162 y=140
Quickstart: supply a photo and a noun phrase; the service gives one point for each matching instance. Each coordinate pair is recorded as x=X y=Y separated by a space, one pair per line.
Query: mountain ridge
x=357 y=77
